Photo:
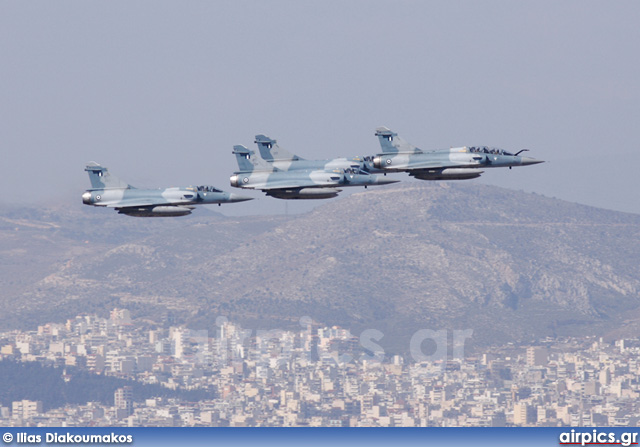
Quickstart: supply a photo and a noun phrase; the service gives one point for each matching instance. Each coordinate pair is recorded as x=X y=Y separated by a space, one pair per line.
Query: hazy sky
x=160 y=91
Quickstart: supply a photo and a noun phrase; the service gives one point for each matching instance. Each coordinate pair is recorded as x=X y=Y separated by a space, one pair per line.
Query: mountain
x=509 y=265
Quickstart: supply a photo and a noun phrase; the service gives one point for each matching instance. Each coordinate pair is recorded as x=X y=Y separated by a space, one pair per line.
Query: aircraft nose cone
x=238 y=198
x=526 y=161
x=385 y=181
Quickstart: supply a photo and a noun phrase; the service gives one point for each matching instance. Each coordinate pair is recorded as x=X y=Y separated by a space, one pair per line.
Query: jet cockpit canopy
x=205 y=188
x=489 y=150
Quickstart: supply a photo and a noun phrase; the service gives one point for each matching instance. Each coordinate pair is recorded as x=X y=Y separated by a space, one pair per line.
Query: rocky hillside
x=509 y=265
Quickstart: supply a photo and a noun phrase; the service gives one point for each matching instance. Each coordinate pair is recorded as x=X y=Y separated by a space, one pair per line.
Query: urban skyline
x=320 y=377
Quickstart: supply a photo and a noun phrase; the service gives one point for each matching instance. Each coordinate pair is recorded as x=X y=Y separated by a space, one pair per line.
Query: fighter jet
x=280 y=158
x=111 y=192
x=457 y=163
x=305 y=183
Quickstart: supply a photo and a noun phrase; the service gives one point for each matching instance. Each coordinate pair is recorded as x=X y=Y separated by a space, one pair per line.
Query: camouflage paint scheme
x=271 y=152
x=457 y=163
x=111 y=192
x=296 y=178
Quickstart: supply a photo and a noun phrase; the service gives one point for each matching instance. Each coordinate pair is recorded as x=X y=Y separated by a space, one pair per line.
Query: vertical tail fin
x=101 y=178
x=270 y=150
x=249 y=161
x=391 y=143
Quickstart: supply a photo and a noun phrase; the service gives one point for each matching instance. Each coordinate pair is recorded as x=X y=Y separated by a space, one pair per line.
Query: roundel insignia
x=388 y=161
x=98 y=197
x=245 y=180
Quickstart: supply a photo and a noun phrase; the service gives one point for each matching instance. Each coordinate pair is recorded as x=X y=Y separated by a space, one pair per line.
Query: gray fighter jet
x=280 y=158
x=111 y=192
x=305 y=183
x=457 y=163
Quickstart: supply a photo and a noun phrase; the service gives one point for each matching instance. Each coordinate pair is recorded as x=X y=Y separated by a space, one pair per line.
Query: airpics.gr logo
x=598 y=438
